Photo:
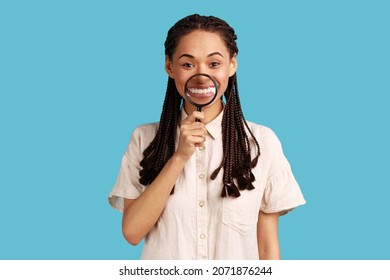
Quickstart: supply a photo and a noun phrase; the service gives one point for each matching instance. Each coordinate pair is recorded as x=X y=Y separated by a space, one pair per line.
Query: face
x=201 y=52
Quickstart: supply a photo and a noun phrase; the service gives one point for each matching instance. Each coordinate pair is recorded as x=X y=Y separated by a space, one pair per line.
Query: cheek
x=223 y=79
x=180 y=79
x=180 y=87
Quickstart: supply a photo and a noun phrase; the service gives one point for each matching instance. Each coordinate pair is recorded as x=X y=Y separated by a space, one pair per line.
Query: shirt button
x=202 y=236
x=201 y=148
x=201 y=176
x=201 y=203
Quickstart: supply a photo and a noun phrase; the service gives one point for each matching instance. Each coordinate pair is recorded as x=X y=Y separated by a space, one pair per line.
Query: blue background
x=76 y=77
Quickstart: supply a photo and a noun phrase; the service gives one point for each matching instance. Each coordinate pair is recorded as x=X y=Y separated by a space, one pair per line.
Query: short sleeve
x=127 y=184
x=282 y=192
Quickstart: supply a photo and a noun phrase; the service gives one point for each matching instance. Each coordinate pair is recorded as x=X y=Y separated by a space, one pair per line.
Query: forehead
x=201 y=43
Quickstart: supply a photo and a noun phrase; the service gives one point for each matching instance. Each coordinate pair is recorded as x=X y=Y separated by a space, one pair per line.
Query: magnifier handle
x=199 y=109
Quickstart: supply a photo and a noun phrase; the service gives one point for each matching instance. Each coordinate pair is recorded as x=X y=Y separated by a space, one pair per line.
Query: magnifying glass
x=200 y=90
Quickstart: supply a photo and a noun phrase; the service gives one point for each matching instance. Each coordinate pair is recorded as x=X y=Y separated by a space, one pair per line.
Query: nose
x=202 y=78
x=202 y=68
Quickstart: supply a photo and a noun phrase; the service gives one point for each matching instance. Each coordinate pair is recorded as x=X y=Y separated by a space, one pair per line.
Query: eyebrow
x=191 y=56
x=215 y=53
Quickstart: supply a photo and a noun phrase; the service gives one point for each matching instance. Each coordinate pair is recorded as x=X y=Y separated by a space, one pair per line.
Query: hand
x=192 y=135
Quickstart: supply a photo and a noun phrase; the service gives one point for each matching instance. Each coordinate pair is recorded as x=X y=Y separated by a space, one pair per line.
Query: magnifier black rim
x=189 y=98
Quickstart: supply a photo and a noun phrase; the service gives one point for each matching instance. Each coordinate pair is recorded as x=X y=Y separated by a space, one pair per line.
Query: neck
x=210 y=112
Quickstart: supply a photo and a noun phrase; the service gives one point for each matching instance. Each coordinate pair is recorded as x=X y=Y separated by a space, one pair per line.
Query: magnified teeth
x=202 y=91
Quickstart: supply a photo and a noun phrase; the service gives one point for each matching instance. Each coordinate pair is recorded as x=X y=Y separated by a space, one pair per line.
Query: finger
x=196 y=140
x=198 y=116
x=192 y=118
x=192 y=127
x=196 y=126
x=198 y=132
x=201 y=144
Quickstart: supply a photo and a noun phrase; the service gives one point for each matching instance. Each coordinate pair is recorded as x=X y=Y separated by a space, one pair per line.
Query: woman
x=195 y=185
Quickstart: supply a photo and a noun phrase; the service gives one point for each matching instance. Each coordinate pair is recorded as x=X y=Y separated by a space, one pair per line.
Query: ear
x=168 y=67
x=233 y=65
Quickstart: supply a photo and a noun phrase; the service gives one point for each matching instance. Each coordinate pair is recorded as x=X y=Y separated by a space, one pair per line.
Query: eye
x=188 y=65
x=214 y=64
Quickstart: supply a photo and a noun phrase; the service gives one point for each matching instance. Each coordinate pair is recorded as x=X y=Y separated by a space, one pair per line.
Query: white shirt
x=196 y=222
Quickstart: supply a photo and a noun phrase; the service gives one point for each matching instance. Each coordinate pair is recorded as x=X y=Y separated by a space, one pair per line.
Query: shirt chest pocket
x=241 y=213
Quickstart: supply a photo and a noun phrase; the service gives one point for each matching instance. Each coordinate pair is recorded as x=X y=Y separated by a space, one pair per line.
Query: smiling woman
x=202 y=52
x=200 y=189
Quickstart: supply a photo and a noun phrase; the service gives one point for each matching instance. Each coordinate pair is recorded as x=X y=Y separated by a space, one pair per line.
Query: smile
x=202 y=90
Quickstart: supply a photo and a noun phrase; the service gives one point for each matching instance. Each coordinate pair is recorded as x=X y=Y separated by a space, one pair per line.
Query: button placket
x=201 y=197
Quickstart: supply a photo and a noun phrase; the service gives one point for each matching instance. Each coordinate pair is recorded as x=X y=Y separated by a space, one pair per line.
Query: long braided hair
x=236 y=163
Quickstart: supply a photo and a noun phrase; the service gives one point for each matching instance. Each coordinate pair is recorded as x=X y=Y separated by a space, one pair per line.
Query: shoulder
x=142 y=136
x=145 y=130
x=264 y=135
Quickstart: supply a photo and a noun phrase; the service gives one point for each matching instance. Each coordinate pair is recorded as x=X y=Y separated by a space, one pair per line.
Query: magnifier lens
x=200 y=90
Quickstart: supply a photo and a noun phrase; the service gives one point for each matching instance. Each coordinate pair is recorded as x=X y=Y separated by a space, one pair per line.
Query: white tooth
x=202 y=91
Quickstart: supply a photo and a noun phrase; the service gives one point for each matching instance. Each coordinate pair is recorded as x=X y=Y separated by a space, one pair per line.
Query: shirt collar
x=214 y=128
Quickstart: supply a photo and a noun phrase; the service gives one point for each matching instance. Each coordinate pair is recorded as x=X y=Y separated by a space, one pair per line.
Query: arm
x=141 y=214
x=267 y=236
